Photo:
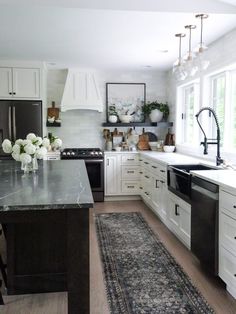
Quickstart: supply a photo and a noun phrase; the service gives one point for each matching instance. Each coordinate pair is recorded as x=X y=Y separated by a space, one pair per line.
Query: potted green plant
x=156 y=111
x=113 y=115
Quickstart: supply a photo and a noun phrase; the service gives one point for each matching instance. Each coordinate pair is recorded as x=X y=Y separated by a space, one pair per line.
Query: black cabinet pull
x=147 y=177
x=176 y=210
x=130 y=159
x=162 y=170
x=234 y=238
x=141 y=172
x=147 y=163
x=14 y=93
x=130 y=186
x=154 y=167
x=10 y=93
x=130 y=171
x=234 y=206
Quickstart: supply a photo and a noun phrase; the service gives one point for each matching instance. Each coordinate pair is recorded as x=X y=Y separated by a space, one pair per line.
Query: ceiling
x=104 y=34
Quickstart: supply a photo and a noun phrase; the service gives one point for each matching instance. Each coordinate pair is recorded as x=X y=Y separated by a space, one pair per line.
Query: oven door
x=95 y=169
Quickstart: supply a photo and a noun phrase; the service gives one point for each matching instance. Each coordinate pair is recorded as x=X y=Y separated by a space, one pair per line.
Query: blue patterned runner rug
x=140 y=274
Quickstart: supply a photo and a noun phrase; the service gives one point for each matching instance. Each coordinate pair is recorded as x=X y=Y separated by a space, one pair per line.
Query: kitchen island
x=45 y=217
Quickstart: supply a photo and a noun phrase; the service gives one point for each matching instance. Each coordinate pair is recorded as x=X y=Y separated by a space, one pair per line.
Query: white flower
x=16 y=149
x=57 y=143
x=25 y=158
x=31 y=137
x=25 y=142
x=19 y=141
x=16 y=156
x=6 y=146
x=38 y=141
x=46 y=142
x=30 y=149
x=40 y=152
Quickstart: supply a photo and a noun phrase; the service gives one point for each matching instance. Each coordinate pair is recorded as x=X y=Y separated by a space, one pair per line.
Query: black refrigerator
x=17 y=119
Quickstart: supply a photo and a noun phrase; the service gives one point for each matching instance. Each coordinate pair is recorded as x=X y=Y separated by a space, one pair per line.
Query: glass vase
x=31 y=166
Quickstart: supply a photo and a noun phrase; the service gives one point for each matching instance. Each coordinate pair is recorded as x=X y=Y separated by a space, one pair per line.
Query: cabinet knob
x=10 y=93
x=234 y=238
x=14 y=93
x=234 y=206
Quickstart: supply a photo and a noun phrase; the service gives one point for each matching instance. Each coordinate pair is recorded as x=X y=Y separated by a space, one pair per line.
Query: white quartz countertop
x=223 y=178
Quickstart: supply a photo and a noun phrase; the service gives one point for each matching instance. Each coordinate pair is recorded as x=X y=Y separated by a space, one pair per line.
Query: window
x=233 y=105
x=190 y=104
x=218 y=104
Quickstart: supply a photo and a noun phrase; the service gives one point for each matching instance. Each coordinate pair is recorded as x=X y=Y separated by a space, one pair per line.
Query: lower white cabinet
x=112 y=174
x=122 y=174
x=180 y=218
x=227 y=239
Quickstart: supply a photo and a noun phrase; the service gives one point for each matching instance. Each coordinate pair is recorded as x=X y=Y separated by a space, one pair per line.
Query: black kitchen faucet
x=216 y=141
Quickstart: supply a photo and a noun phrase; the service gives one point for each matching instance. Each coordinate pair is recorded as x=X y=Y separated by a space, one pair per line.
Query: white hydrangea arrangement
x=31 y=147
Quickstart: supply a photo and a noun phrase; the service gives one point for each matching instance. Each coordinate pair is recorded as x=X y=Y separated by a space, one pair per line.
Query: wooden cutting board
x=53 y=111
x=143 y=142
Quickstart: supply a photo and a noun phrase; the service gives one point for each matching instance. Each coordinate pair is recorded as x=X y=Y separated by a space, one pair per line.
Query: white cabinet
x=19 y=83
x=5 y=82
x=112 y=180
x=81 y=92
x=227 y=239
x=180 y=218
x=122 y=174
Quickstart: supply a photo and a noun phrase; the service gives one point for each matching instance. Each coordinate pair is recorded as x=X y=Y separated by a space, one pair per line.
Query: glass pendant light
x=190 y=65
x=178 y=68
x=201 y=61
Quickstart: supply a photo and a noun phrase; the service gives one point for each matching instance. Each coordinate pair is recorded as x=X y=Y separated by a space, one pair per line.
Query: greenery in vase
x=149 y=106
x=112 y=111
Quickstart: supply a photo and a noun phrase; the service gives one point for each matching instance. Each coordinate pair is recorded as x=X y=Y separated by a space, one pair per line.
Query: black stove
x=94 y=162
x=82 y=153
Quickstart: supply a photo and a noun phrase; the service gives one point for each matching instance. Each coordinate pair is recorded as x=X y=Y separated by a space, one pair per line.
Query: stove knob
x=64 y=153
x=68 y=153
x=96 y=153
x=72 y=153
x=100 y=153
x=92 y=153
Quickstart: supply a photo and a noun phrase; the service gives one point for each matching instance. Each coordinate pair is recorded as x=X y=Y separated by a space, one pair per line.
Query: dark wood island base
x=48 y=245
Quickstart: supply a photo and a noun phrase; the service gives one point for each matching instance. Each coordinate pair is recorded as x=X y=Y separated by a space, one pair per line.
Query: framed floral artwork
x=126 y=99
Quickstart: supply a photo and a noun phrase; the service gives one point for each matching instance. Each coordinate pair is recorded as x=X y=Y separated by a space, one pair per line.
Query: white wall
x=83 y=128
x=221 y=53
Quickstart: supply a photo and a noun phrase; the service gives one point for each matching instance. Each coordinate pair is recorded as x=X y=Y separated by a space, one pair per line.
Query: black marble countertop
x=55 y=185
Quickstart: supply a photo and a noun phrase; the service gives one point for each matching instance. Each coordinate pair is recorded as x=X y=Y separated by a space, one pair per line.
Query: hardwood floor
x=56 y=303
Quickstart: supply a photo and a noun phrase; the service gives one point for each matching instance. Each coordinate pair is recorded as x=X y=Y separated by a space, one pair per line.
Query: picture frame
x=126 y=98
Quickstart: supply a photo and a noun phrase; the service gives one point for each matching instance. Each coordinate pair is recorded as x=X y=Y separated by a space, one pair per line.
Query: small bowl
x=125 y=118
x=168 y=148
x=153 y=145
x=51 y=120
x=118 y=149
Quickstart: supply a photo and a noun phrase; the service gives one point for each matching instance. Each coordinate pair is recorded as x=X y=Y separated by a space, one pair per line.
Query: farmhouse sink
x=179 y=179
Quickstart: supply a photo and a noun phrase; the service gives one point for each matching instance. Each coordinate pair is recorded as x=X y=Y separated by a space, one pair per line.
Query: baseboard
x=122 y=198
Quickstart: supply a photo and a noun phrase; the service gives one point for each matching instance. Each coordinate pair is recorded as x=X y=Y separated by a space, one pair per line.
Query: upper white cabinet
x=19 y=83
x=5 y=82
x=81 y=92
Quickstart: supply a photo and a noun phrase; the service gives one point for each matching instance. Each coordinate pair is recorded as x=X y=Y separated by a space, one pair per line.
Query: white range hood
x=81 y=92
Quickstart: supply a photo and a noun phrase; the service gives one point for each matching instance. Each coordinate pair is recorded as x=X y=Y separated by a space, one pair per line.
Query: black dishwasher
x=204 y=223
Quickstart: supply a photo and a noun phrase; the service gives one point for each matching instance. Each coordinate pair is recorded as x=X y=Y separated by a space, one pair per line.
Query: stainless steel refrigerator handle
x=14 y=122
x=9 y=122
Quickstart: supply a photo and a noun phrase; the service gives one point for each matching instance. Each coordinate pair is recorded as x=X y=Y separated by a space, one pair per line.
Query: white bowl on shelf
x=168 y=148
x=125 y=118
x=153 y=145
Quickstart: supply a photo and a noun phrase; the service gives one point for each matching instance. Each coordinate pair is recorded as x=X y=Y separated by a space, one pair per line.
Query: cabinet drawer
x=162 y=171
x=130 y=172
x=227 y=228
x=130 y=187
x=227 y=266
x=130 y=159
x=146 y=164
x=228 y=201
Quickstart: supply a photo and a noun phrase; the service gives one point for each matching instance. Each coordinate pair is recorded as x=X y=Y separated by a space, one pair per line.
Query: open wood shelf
x=54 y=124
x=139 y=124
